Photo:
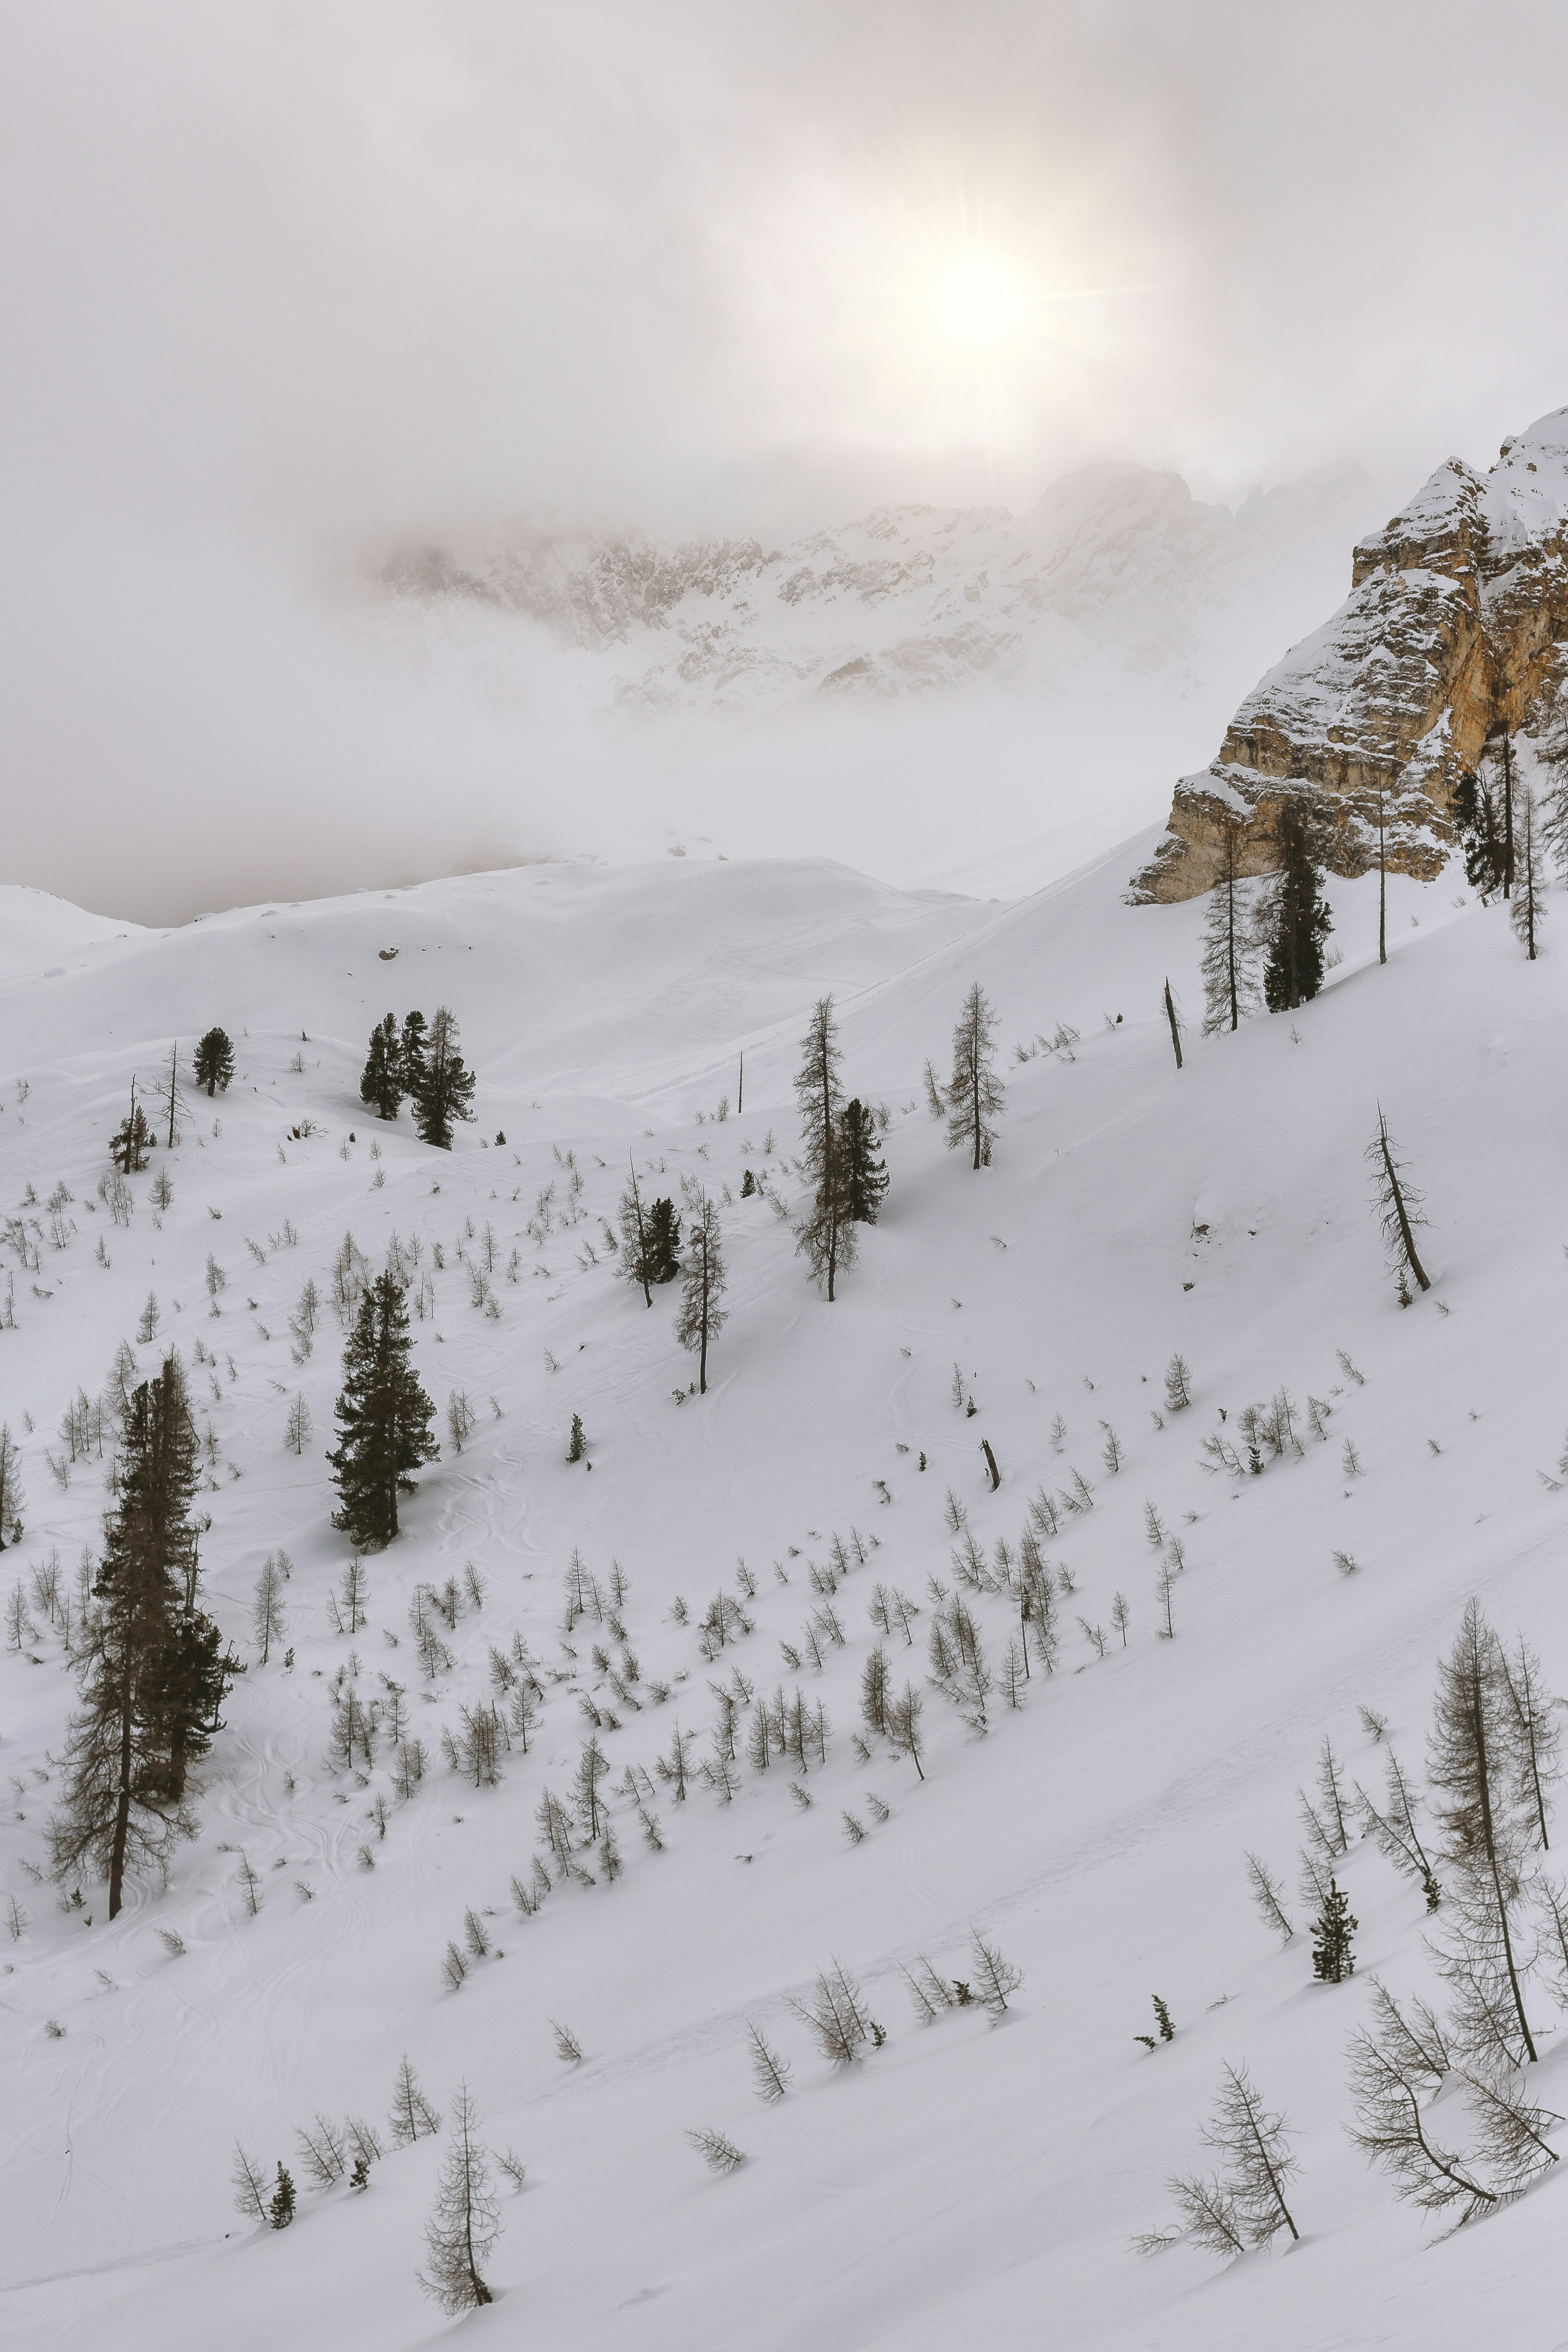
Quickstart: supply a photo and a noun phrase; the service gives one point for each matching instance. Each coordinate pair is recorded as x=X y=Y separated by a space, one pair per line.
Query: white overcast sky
x=282 y=282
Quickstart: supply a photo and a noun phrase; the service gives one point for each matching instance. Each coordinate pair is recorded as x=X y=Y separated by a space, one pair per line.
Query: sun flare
x=979 y=301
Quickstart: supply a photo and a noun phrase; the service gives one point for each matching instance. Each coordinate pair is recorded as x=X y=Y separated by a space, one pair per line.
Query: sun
x=979 y=301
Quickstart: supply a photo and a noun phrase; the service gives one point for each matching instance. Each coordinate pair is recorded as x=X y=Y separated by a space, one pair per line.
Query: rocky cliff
x=1454 y=630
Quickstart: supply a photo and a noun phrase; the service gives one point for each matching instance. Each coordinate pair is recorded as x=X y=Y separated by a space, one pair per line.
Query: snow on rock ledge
x=1451 y=631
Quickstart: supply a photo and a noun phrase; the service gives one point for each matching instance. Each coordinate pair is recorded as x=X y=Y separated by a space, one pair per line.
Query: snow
x=966 y=2183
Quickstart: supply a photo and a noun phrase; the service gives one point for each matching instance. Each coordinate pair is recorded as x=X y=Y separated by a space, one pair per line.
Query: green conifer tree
x=1295 y=917
x=415 y=1034
x=864 y=1176
x=1332 y=1958
x=444 y=1089
x=663 y=1242
x=384 y=1420
x=151 y=1675
x=380 y=1084
x=213 y=1062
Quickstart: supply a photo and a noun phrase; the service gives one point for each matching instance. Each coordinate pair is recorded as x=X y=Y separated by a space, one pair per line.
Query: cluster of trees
x=1499 y=1922
x=1266 y=947
x=420 y=1063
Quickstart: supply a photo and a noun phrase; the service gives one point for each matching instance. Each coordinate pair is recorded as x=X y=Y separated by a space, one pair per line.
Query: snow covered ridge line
x=905 y=600
x=1449 y=647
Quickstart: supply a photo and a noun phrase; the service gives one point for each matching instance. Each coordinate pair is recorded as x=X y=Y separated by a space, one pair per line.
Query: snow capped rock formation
x=1116 y=564
x=1450 y=634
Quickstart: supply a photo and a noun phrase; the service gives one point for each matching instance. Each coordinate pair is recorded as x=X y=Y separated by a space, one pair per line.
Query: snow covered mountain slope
x=965 y=2181
x=1114 y=561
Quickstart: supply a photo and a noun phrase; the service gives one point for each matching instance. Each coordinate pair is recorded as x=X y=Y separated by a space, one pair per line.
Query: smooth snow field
x=969 y=2182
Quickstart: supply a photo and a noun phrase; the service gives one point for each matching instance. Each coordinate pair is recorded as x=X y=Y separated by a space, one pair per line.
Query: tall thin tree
x=1231 y=945
x=975 y=1093
x=1485 y=1821
x=826 y=1235
x=1295 y=917
x=636 y=1250
x=466 y=2219
x=700 y=1316
x=1529 y=908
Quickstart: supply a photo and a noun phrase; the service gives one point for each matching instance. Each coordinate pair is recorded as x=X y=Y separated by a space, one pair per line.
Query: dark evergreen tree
x=281 y=2211
x=1480 y=836
x=577 y=1447
x=416 y=1030
x=444 y=1089
x=1295 y=916
x=382 y=1085
x=864 y=1176
x=213 y=1062
x=132 y=1139
x=1332 y=1958
x=826 y=1235
x=663 y=1242
x=748 y=1185
x=151 y=1675
x=384 y=1419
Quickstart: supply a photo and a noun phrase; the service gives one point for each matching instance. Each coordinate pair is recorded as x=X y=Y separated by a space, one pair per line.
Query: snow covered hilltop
x=1450 y=637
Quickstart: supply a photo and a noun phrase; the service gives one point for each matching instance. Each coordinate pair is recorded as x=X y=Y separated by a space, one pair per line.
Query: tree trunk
x=123 y=1803
x=991 y=1463
x=1506 y=817
x=1479 y=1737
x=1405 y=1233
x=1381 y=888
x=1171 y=1017
x=741 y=1090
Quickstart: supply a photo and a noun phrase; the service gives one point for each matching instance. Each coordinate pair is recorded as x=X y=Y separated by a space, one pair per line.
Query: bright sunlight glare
x=979 y=301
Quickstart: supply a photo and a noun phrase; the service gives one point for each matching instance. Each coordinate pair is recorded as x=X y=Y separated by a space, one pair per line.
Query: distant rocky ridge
x=1116 y=564
x=1453 y=631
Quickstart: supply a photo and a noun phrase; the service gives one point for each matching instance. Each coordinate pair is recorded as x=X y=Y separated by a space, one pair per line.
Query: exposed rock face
x=1453 y=630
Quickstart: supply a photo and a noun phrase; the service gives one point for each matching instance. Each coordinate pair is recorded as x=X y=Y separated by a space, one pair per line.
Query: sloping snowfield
x=967 y=2182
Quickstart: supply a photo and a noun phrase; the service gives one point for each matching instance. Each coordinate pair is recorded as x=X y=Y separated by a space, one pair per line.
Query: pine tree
x=132 y=1139
x=974 y=1094
x=1528 y=912
x=446 y=1086
x=384 y=1419
x=1476 y=817
x=213 y=1062
x=1231 y=945
x=381 y=1084
x=1332 y=1958
x=663 y=1242
x=151 y=1674
x=826 y=1236
x=864 y=1176
x=281 y=2211
x=637 y=1249
x=466 y=2222
x=700 y=1317
x=1295 y=919
x=411 y=1052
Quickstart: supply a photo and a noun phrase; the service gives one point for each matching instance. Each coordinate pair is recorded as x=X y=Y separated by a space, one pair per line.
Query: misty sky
x=284 y=284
